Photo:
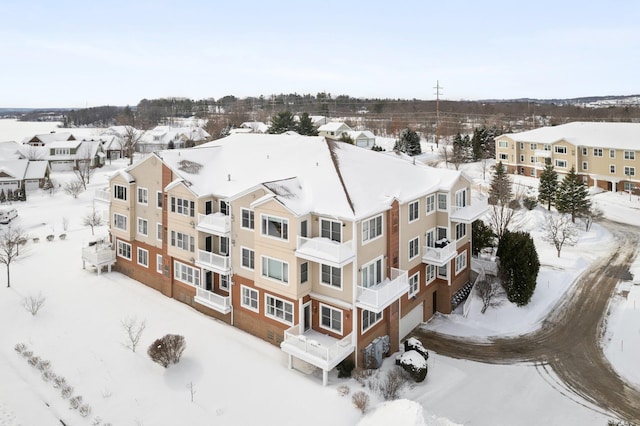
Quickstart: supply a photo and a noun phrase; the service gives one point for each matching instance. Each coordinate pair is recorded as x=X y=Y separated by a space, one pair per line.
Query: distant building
x=334 y=130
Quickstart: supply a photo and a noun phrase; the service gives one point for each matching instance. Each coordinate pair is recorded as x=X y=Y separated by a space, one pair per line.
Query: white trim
x=115 y=223
x=332 y=300
x=417 y=248
x=368 y=220
x=159 y=197
x=178 y=267
x=159 y=228
x=257 y=298
x=145 y=191
x=146 y=225
x=140 y=249
x=242 y=248
x=119 y=245
x=463 y=266
x=446 y=209
x=284 y=312
x=330 y=285
x=265 y=233
x=251 y=213
x=417 y=290
x=377 y=320
x=417 y=216
x=331 y=221
x=159 y=264
x=433 y=268
x=267 y=277
x=433 y=203
x=115 y=186
x=330 y=328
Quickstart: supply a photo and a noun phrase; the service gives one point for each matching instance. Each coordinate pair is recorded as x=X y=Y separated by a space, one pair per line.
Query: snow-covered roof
x=333 y=126
x=359 y=134
x=36 y=169
x=47 y=138
x=13 y=169
x=10 y=150
x=255 y=126
x=306 y=173
x=589 y=134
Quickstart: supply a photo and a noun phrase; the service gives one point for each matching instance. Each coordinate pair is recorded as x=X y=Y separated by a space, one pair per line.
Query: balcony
x=471 y=212
x=102 y=195
x=439 y=256
x=326 y=251
x=380 y=296
x=214 y=262
x=99 y=253
x=542 y=153
x=214 y=223
x=318 y=349
x=212 y=300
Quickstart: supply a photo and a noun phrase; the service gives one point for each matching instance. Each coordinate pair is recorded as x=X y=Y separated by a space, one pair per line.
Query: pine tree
x=282 y=122
x=10 y=195
x=409 y=142
x=500 y=189
x=572 y=196
x=305 y=126
x=481 y=236
x=548 y=186
x=519 y=266
x=3 y=197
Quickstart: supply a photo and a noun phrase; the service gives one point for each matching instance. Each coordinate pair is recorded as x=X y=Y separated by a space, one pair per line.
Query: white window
x=143 y=226
x=248 y=219
x=612 y=168
x=629 y=155
x=143 y=196
x=585 y=151
x=561 y=164
x=185 y=273
x=414 y=209
x=534 y=146
x=629 y=186
x=159 y=263
x=504 y=156
x=124 y=250
x=612 y=153
x=442 y=202
x=120 y=192
x=275 y=269
x=183 y=207
x=414 y=248
x=629 y=171
x=521 y=145
x=431 y=273
x=461 y=230
x=249 y=298
x=461 y=261
x=62 y=151
x=275 y=227
x=224 y=245
x=248 y=258
x=372 y=273
x=414 y=284
x=585 y=165
x=224 y=207
x=431 y=203
x=278 y=309
x=443 y=271
x=503 y=144
x=461 y=199
x=143 y=257
x=330 y=318
x=597 y=152
x=547 y=147
x=159 y=231
x=430 y=238
x=442 y=233
x=159 y=199
x=304 y=272
x=369 y=319
x=560 y=149
x=331 y=229
x=522 y=158
x=182 y=241
x=371 y=228
x=224 y=282
x=119 y=221
x=533 y=172
x=331 y=276
x=533 y=160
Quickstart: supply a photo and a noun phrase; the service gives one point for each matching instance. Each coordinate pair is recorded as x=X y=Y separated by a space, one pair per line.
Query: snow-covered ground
x=239 y=379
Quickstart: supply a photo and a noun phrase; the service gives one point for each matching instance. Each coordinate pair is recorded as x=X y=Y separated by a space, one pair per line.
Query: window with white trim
x=461 y=262
x=120 y=221
x=443 y=271
x=369 y=319
x=372 y=273
x=182 y=241
x=503 y=156
x=430 y=273
x=414 y=210
x=331 y=276
x=629 y=155
x=461 y=230
x=560 y=149
x=585 y=151
x=159 y=231
x=547 y=147
x=442 y=201
x=224 y=245
x=278 y=309
x=275 y=269
x=533 y=159
x=304 y=272
x=224 y=207
x=224 y=282
x=612 y=153
x=442 y=233
x=183 y=206
x=143 y=226
x=534 y=146
x=522 y=158
x=159 y=199
x=521 y=145
x=629 y=186
x=585 y=165
x=159 y=263
x=503 y=144
x=331 y=229
x=275 y=227
x=330 y=318
x=430 y=238
x=629 y=171
x=414 y=248
x=461 y=198
x=414 y=284
x=561 y=164
x=143 y=257
x=249 y=298
x=124 y=250
x=62 y=151
x=248 y=258
x=612 y=168
x=143 y=196
x=185 y=273
x=120 y=192
x=431 y=203
x=597 y=152
x=248 y=219
x=371 y=228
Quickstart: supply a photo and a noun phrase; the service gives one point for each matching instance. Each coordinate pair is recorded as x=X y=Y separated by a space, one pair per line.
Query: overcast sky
x=90 y=53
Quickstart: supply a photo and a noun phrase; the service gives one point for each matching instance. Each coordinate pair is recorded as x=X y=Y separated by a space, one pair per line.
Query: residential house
x=24 y=174
x=47 y=138
x=309 y=243
x=165 y=137
x=11 y=150
x=362 y=138
x=67 y=155
x=604 y=154
x=334 y=130
x=255 y=126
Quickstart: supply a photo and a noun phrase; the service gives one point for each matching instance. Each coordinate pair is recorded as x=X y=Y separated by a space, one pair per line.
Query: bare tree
x=84 y=169
x=501 y=216
x=592 y=214
x=488 y=291
x=10 y=241
x=33 y=303
x=560 y=231
x=74 y=188
x=445 y=153
x=131 y=138
x=134 y=330
x=33 y=153
x=93 y=219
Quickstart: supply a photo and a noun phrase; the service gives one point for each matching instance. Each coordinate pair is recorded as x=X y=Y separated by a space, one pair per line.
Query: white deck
x=472 y=212
x=214 y=223
x=212 y=300
x=378 y=297
x=318 y=349
x=324 y=250
x=439 y=256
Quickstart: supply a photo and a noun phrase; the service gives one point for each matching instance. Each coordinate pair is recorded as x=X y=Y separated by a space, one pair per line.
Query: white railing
x=489 y=265
x=215 y=301
x=98 y=255
x=327 y=353
x=214 y=260
x=102 y=195
x=380 y=296
x=216 y=222
x=439 y=254
x=542 y=153
x=466 y=308
x=324 y=248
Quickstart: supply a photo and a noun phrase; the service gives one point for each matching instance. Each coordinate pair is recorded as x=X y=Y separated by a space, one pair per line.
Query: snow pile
x=401 y=412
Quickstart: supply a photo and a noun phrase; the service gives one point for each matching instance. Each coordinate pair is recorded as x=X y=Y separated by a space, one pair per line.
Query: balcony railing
x=103 y=195
x=439 y=256
x=98 y=255
x=214 y=262
x=315 y=348
x=541 y=153
x=324 y=250
x=380 y=296
x=471 y=212
x=212 y=300
x=214 y=223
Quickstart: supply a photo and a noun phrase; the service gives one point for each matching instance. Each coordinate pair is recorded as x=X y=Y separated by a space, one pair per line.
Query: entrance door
x=306 y=320
x=208 y=244
x=208 y=281
x=434 y=302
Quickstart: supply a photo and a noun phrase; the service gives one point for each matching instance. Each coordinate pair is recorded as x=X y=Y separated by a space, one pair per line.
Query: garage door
x=60 y=166
x=31 y=184
x=411 y=320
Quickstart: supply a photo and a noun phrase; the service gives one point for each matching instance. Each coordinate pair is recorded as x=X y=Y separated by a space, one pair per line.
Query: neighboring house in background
x=68 y=154
x=47 y=138
x=255 y=126
x=162 y=137
x=23 y=174
x=11 y=150
x=334 y=130
x=113 y=146
x=606 y=155
x=362 y=138
x=318 y=120
x=299 y=240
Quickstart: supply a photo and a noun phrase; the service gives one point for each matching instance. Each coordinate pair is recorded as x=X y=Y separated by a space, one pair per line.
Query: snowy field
x=239 y=379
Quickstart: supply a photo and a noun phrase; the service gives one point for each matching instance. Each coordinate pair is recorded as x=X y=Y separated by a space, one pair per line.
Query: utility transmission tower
x=438 y=88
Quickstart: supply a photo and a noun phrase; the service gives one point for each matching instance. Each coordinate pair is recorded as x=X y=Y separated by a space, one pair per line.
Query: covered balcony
x=439 y=255
x=380 y=296
x=326 y=251
x=471 y=212
x=214 y=223
x=320 y=350
x=214 y=262
x=212 y=300
x=99 y=253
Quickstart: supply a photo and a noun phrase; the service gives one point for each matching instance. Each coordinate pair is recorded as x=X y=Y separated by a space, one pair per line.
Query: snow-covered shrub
x=392 y=384
x=343 y=390
x=413 y=363
x=43 y=365
x=345 y=368
x=66 y=391
x=84 y=410
x=75 y=402
x=530 y=202
x=27 y=353
x=413 y=344
x=362 y=375
x=59 y=382
x=36 y=239
x=20 y=347
x=97 y=421
x=62 y=236
x=50 y=237
x=360 y=400
x=34 y=360
x=167 y=349
x=48 y=375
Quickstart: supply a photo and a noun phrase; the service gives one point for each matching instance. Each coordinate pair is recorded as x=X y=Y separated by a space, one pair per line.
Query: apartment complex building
x=604 y=154
x=325 y=249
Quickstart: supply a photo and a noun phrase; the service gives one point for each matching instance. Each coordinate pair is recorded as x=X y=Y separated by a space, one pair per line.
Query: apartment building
x=604 y=154
x=322 y=248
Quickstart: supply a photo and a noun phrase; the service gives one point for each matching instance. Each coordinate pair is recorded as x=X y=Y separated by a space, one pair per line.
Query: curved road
x=568 y=342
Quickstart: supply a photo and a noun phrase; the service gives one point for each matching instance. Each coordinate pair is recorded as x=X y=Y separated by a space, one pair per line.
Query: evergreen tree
x=548 y=186
x=282 y=122
x=519 y=266
x=305 y=126
x=572 y=196
x=346 y=138
x=409 y=143
x=500 y=188
x=460 y=151
x=478 y=143
x=481 y=236
x=10 y=195
x=377 y=148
